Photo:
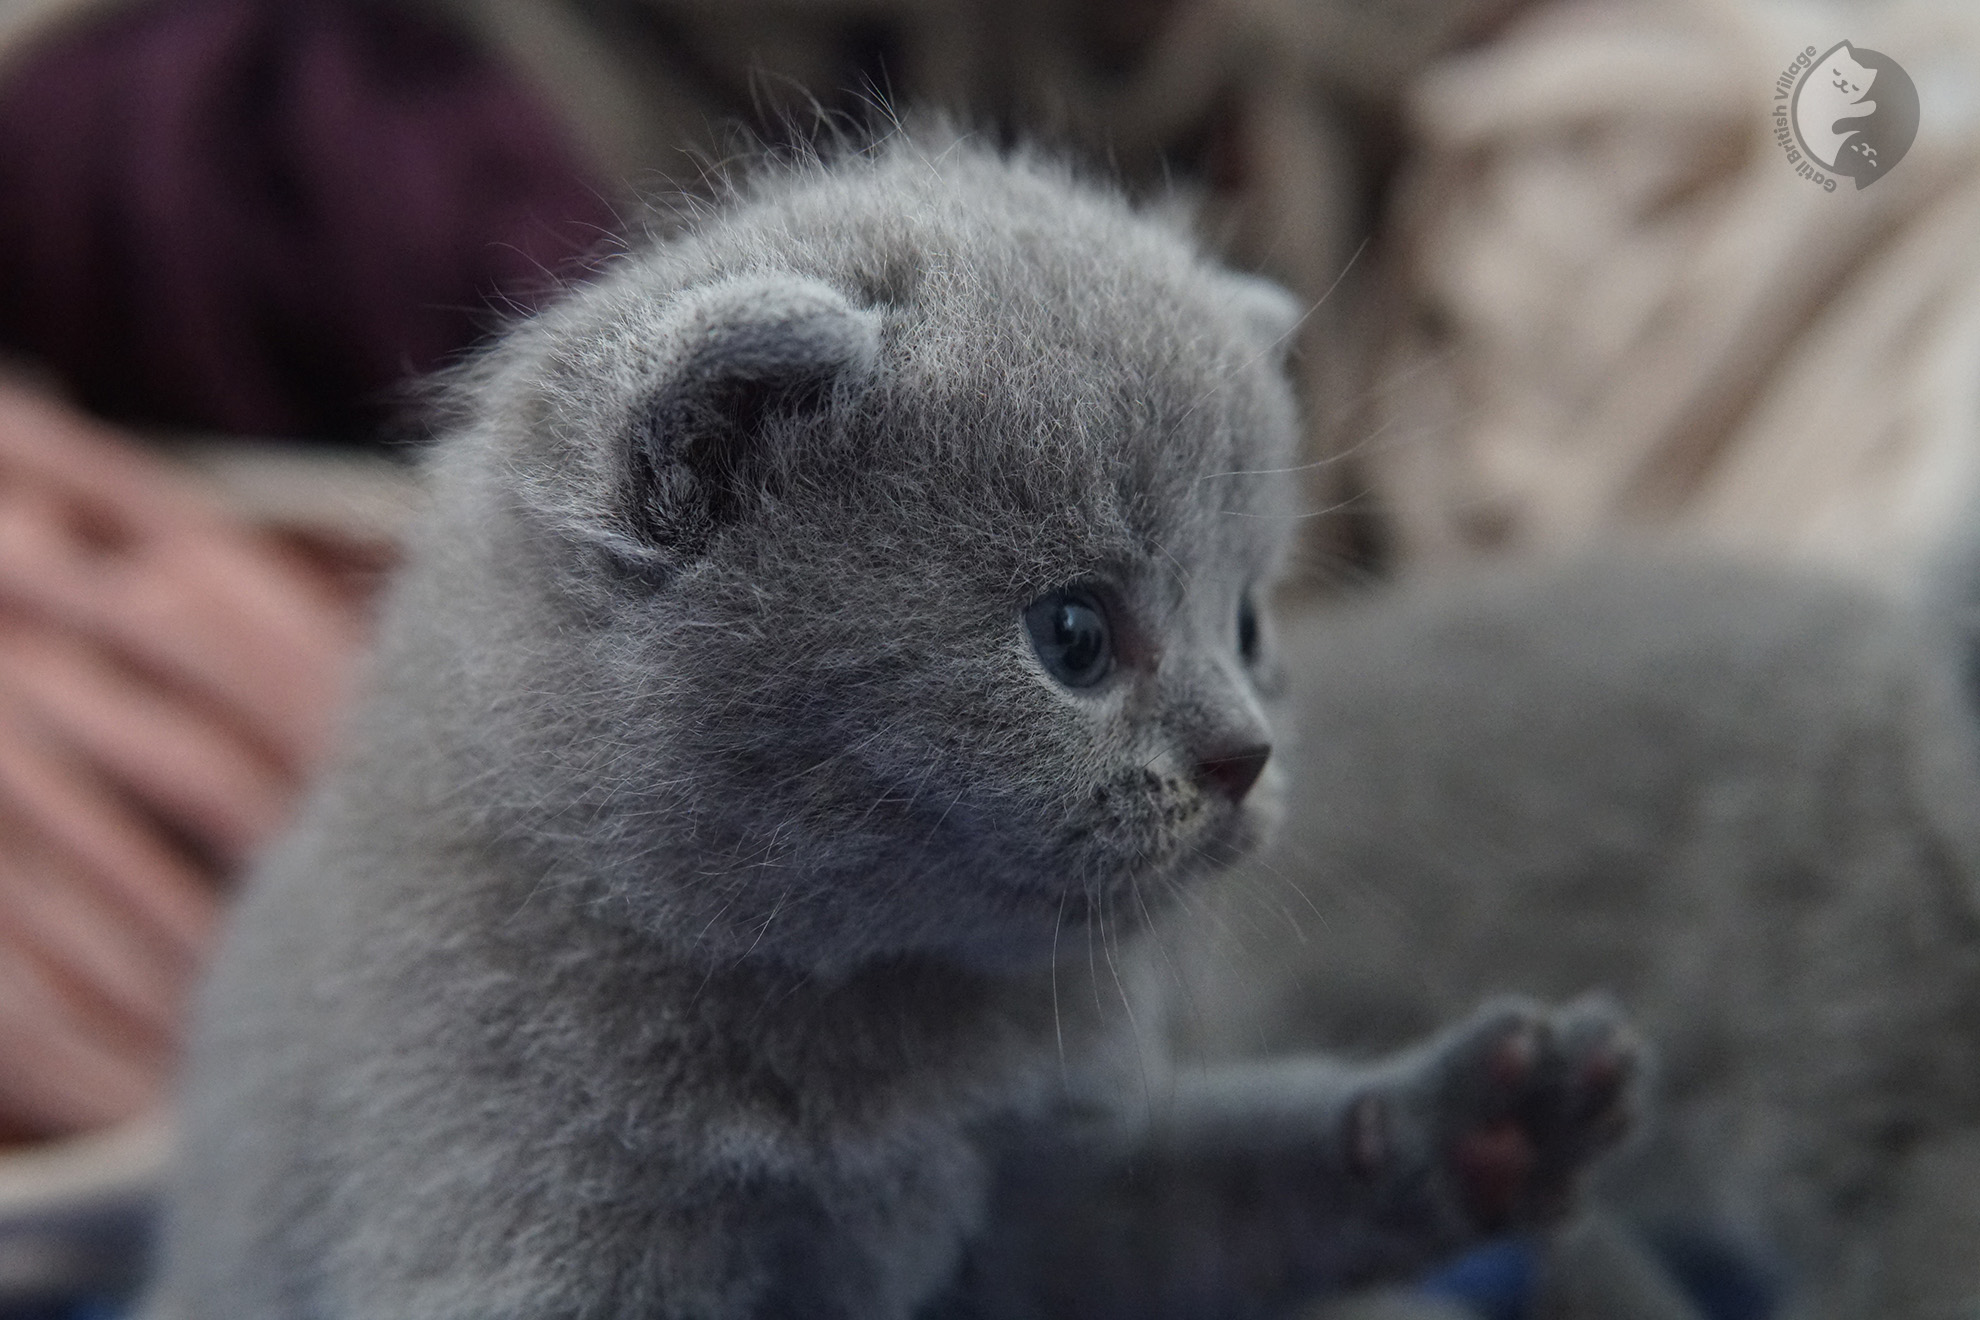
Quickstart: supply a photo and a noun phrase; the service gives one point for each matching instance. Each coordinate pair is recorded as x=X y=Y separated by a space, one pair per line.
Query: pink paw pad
x=1551 y=1094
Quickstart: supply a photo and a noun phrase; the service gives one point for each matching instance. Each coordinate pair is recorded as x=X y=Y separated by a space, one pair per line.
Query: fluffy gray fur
x=1746 y=803
x=719 y=904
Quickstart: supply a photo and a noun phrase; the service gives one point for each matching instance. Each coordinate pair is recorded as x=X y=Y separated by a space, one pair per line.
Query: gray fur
x=717 y=887
x=1745 y=802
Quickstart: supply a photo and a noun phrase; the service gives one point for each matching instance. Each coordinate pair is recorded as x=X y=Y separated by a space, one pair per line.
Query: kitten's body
x=721 y=885
x=1746 y=803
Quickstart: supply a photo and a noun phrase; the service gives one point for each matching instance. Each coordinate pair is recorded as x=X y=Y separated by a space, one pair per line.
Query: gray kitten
x=1745 y=802
x=835 y=639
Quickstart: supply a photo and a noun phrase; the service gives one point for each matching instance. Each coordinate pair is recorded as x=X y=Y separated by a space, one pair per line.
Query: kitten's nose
x=1233 y=773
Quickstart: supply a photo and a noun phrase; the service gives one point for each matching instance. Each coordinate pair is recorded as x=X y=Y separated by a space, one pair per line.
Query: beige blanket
x=1616 y=306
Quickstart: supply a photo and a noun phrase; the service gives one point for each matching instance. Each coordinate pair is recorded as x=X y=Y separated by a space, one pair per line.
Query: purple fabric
x=262 y=215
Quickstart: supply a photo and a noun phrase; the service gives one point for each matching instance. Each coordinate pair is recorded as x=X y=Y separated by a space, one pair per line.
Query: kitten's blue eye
x=1247 y=630
x=1069 y=631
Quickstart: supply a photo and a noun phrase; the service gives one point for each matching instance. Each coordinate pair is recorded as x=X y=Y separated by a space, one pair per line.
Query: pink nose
x=1233 y=773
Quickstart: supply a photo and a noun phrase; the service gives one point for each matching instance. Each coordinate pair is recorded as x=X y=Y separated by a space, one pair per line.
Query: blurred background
x=1565 y=286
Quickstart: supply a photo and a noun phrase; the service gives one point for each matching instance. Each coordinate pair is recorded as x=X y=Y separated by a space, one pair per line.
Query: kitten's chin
x=1157 y=874
x=1228 y=834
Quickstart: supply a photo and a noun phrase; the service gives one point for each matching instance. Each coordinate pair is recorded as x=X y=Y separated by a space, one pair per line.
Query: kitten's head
x=878 y=568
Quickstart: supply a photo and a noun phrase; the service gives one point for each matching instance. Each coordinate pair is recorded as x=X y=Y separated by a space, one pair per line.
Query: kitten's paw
x=1529 y=1098
x=1518 y=1100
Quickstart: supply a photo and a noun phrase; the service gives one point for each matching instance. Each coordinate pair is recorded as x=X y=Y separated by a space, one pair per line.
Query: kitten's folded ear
x=1267 y=309
x=740 y=355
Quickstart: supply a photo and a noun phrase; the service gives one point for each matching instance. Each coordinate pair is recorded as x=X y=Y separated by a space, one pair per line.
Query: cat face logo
x=1853 y=112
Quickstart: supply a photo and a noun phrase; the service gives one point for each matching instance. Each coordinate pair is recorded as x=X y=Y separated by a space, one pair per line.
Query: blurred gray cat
x=835 y=637
x=1746 y=802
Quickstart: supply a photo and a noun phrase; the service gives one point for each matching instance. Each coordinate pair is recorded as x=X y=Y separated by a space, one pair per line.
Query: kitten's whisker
x=1058 y=1022
x=1292 y=332
x=1192 y=896
x=1326 y=294
x=1273 y=472
x=1285 y=913
x=775 y=908
x=1349 y=502
x=1188 y=579
x=1127 y=1005
x=1268 y=866
x=719 y=913
x=1095 y=915
x=1154 y=933
x=1200 y=908
x=934 y=764
x=933 y=829
x=1257 y=909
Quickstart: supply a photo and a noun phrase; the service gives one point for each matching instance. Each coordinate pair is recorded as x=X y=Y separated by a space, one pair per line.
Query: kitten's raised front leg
x=1264 y=1182
x=1488 y=1127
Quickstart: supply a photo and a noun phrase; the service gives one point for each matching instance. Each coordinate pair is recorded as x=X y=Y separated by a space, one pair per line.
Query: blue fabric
x=1496 y=1280
x=87 y=1310
x=1725 y=1283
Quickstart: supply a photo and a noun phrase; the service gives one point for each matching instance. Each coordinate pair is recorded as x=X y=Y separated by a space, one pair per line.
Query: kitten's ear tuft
x=1267 y=309
x=739 y=354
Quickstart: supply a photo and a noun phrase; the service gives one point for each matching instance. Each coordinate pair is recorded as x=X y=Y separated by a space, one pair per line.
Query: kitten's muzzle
x=1233 y=773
